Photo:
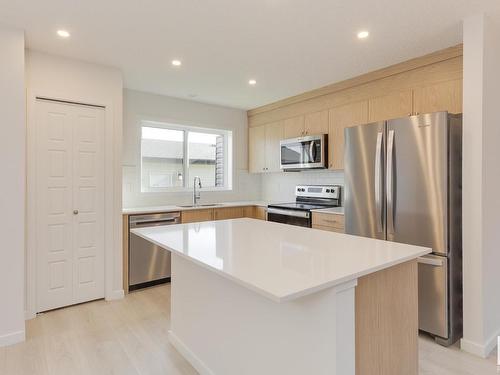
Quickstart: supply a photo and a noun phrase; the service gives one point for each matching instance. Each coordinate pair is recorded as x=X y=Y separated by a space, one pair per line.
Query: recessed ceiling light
x=363 y=34
x=252 y=82
x=63 y=33
x=176 y=62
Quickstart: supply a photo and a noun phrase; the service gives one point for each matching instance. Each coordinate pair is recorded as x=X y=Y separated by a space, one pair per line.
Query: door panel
x=390 y=106
x=274 y=134
x=54 y=234
x=70 y=176
x=433 y=295
x=443 y=96
x=294 y=127
x=88 y=199
x=363 y=185
x=341 y=118
x=419 y=181
x=257 y=149
x=316 y=123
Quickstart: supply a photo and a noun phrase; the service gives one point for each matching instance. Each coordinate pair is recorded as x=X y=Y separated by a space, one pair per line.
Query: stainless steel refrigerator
x=403 y=184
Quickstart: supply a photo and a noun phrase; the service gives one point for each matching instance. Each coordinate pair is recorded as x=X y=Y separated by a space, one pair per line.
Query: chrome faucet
x=196 y=193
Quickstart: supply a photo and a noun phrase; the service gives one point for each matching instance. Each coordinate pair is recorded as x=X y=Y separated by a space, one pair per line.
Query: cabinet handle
x=75 y=212
x=330 y=221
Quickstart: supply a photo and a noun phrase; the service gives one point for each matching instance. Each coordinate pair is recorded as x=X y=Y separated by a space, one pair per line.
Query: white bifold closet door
x=69 y=203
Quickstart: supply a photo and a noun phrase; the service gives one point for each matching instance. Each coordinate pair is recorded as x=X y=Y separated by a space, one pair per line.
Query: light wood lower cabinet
x=259 y=213
x=387 y=321
x=194 y=216
x=228 y=213
x=329 y=222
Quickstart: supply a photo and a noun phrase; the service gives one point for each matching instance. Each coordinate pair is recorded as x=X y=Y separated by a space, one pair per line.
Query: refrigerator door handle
x=389 y=183
x=378 y=181
x=430 y=261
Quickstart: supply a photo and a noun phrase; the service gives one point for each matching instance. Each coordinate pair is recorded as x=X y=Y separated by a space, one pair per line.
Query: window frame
x=188 y=185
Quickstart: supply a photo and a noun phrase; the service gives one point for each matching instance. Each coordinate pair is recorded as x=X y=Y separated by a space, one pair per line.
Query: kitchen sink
x=201 y=205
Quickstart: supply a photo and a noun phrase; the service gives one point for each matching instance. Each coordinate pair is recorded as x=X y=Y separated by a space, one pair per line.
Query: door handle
x=430 y=261
x=390 y=182
x=378 y=181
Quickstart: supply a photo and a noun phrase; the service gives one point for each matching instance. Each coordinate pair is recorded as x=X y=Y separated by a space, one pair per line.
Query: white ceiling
x=288 y=46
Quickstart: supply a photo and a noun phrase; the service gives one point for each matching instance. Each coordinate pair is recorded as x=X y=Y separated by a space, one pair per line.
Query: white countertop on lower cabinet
x=282 y=262
x=172 y=208
x=331 y=210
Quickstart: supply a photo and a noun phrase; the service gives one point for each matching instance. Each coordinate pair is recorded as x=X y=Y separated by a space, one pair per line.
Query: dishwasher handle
x=153 y=220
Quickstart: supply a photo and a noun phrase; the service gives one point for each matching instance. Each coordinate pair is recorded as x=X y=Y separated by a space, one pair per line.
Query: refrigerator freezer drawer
x=433 y=295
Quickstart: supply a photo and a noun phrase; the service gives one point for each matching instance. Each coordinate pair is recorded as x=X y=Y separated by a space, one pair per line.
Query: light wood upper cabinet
x=257 y=149
x=443 y=96
x=394 y=105
x=264 y=147
x=274 y=134
x=294 y=127
x=316 y=123
x=340 y=118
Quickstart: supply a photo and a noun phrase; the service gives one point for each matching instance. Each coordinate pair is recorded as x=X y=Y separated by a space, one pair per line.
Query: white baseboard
x=189 y=355
x=481 y=350
x=115 y=295
x=12 y=338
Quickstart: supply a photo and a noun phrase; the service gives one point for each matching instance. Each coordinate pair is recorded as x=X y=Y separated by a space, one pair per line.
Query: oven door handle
x=279 y=211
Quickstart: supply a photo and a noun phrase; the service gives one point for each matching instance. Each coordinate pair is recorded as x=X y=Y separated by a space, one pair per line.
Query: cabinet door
x=444 y=96
x=398 y=104
x=340 y=118
x=194 y=216
x=274 y=134
x=228 y=213
x=294 y=127
x=257 y=149
x=316 y=123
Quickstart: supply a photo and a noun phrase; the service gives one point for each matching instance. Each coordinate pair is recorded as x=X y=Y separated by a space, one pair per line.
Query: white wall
x=144 y=106
x=61 y=78
x=12 y=197
x=481 y=184
x=280 y=187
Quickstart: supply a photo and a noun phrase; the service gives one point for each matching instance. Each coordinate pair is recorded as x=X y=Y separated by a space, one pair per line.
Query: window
x=172 y=155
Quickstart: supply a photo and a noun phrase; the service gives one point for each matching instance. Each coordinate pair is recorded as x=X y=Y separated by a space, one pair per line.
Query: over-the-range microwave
x=304 y=153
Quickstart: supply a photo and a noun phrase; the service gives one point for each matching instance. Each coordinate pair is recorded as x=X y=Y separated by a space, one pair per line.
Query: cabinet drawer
x=329 y=229
x=328 y=220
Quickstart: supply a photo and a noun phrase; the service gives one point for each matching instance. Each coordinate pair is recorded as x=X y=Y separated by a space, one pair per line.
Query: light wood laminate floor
x=129 y=337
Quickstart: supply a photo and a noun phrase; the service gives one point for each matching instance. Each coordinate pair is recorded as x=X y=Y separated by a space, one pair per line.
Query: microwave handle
x=311 y=152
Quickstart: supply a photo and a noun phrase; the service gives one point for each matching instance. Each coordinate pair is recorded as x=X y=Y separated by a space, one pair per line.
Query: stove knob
x=327 y=190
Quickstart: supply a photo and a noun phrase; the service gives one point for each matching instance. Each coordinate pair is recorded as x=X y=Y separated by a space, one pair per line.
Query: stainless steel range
x=307 y=198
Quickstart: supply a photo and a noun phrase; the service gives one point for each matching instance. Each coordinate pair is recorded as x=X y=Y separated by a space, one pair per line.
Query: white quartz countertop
x=172 y=208
x=282 y=262
x=332 y=210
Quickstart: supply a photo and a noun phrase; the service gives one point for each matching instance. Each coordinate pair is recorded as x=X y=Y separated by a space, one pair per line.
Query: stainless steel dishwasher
x=148 y=264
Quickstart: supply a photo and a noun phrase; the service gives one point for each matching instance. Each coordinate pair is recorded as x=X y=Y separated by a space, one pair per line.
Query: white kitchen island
x=257 y=297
